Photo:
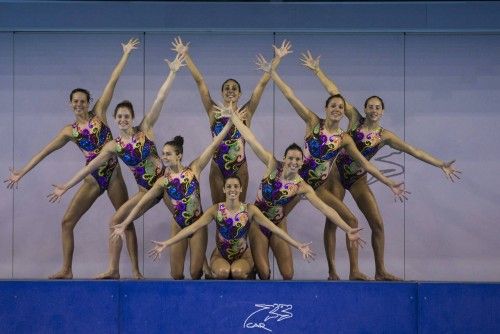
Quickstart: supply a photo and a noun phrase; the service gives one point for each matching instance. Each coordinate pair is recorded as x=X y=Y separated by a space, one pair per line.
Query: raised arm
x=398 y=144
x=107 y=151
x=305 y=113
x=264 y=155
x=152 y=116
x=183 y=49
x=313 y=64
x=352 y=233
x=201 y=162
x=102 y=104
x=279 y=53
x=63 y=137
x=397 y=188
x=145 y=202
x=204 y=220
x=258 y=216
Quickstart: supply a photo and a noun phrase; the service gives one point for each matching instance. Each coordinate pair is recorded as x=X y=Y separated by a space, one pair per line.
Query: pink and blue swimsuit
x=321 y=148
x=140 y=155
x=232 y=231
x=183 y=190
x=90 y=139
x=273 y=194
x=368 y=143
x=230 y=154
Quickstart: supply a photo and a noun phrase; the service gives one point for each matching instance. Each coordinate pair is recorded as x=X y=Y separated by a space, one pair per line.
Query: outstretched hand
x=307 y=253
x=155 y=253
x=177 y=63
x=132 y=44
x=283 y=50
x=223 y=111
x=13 y=179
x=354 y=237
x=451 y=171
x=310 y=62
x=179 y=46
x=398 y=189
x=263 y=64
x=57 y=193
x=118 y=232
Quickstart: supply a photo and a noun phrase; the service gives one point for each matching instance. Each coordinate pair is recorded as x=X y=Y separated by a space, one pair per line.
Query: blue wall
x=226 y=306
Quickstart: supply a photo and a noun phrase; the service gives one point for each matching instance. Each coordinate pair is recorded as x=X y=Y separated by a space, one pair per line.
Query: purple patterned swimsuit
x=140 y=154
x=320 y=151
x=273 y=194
x=183 y=190
x=368 y=143
x=232 y=231
x=90 y=139
x=230 y=154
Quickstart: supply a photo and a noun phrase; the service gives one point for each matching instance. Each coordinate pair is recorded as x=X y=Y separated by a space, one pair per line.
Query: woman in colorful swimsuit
x=90 y=132
x=231 y=258
x=280 y=185
x=180 y=188
x=369 y=137
x=323 y=141
x=230 y=157
x=137 y=150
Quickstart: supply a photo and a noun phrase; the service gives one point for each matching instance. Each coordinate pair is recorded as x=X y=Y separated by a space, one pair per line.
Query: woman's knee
x=221 y=272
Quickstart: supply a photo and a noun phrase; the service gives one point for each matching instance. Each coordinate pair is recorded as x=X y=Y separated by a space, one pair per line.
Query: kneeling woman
x=181 y=190
x=231 y=258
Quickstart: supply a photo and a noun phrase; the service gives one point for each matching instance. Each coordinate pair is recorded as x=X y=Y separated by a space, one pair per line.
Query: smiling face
x=170 y=157
x=334 y=109
x=374 y=109
x=124 y=118
x=231 y=91
x=79 y=103
x=293 y=161
x=232 y=188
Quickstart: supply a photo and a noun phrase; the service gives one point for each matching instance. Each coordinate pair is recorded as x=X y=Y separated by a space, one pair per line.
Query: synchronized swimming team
x=331 y=162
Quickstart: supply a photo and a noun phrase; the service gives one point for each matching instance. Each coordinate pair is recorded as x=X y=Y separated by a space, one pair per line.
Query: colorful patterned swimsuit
x=368 y=143
x=90 y=139
x=232 y=231
x=230 y=154
x=141 y=156
x=183 y=190
x=320 y=151
x=273 y=194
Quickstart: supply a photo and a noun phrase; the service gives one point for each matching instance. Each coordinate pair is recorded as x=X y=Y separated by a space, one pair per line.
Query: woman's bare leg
x=282 y=253
x=259 y=245
x=117 y=193
x=80 y=203
x=198 y=249
x=367 y=203
x=220 y=267
x=177 y=253
x=243 y=267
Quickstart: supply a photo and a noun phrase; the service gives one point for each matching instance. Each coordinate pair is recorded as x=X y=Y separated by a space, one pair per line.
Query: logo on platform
x=267 y=314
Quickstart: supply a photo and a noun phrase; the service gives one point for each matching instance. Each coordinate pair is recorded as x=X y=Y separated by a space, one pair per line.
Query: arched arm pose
x=90 y=132
x=280 y=185
x=230 y=157
x=180 y=188
x=369 y=137
x=136 y=148
x=231 y=258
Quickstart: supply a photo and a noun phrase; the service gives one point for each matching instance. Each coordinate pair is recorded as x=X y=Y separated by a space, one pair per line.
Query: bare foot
x=333 y=277
x=110 y=274
x=385 y=276
x=63 y=274
x=358 y=276
x=136 y=275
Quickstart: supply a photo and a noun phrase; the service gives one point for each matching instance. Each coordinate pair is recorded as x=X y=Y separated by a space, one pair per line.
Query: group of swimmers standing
x=331 y=162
